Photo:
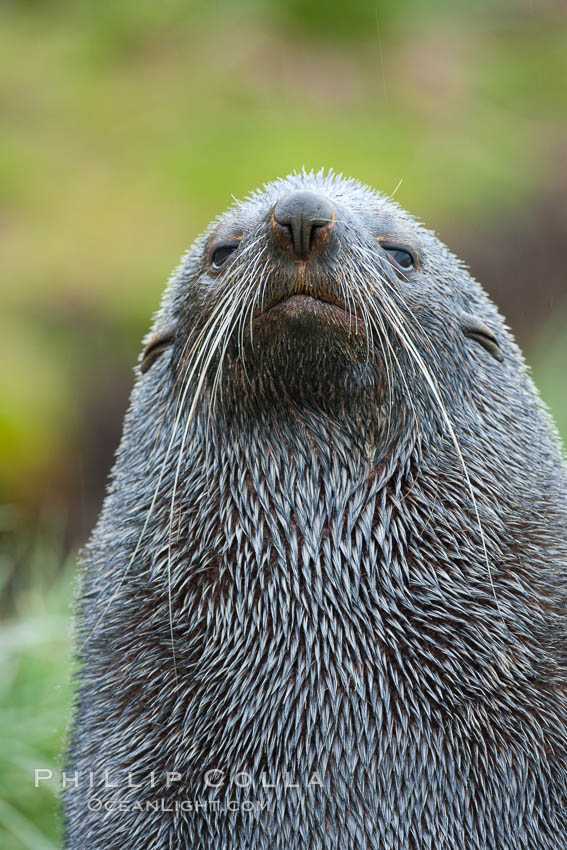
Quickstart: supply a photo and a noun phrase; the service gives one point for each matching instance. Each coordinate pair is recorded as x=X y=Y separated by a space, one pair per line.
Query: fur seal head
x=323 y=286
x=323 y=292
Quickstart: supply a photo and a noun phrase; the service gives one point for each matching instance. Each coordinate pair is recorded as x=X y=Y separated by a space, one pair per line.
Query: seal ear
x=473 y=328
x=156 y=346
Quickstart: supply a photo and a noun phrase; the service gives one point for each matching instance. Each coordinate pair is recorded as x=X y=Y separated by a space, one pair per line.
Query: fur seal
x=325 y=602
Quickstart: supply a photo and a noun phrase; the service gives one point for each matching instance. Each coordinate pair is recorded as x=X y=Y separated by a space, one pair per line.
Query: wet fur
x=289 y=574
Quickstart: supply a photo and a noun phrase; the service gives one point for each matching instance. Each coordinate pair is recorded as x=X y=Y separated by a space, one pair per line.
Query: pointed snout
x=302 y=222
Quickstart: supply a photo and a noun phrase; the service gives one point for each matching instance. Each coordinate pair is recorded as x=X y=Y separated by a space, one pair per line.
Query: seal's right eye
x=220 y=254
x=401 y=255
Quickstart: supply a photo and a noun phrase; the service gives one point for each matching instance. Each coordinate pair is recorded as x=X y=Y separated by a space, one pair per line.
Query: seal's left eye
x=402 y=256
x=221 y=253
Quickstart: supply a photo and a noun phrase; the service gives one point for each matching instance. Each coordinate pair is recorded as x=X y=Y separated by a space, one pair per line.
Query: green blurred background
x=126 y=126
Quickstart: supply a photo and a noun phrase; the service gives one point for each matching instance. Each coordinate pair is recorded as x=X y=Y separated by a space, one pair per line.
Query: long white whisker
x=212 y=321
x=399 y=325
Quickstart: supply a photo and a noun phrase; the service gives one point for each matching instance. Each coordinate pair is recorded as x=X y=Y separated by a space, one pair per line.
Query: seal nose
x=302 y=222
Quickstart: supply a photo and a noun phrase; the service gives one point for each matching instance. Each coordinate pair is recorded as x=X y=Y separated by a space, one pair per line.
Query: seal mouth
x=313 y=306
x=301 y=301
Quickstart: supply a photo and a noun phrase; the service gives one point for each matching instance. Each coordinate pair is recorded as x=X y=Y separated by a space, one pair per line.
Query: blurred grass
x=548 y=359
x=35 y=695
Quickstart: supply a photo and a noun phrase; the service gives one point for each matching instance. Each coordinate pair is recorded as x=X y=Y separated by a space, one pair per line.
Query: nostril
x=318 y=227
x=285 y=230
